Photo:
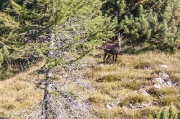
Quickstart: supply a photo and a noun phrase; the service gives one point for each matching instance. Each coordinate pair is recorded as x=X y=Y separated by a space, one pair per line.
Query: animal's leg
x=114 y=55
x=105 y=54
x=116 y=58
x=108 y=57
x=113 y=58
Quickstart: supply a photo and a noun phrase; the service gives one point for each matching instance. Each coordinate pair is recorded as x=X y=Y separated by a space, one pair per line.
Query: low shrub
x=165 y=114
x=143 y=65
x=133 y=99
x=134 y=85
x=109 y=78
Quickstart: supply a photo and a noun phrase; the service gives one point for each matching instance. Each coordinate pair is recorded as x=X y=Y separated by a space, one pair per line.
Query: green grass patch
x=134 y=99
x=99 y=98
x=109 y=78
x=170 y=99
x=162 y=92
x=144 y=65
x=133 y=84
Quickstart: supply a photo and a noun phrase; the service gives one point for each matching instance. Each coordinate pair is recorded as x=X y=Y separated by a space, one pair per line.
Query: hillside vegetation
x=51 y=59
x=125 y=90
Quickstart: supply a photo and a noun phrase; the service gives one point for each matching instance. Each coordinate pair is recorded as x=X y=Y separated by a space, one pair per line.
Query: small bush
x=167 y=100
x=19 y=86
x=165 y=114
x=154 y=92
x=162 y=92
x=175 y=79
x=137 y=99
x=144 y=112
x=134 y=85
x=143 y=65
x=99 y=98
x=133 y=99
x=9 y=106
x=109 y=78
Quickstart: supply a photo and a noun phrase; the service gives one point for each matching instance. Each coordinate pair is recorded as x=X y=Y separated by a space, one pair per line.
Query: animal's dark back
x=110 y=51
x=111 y=46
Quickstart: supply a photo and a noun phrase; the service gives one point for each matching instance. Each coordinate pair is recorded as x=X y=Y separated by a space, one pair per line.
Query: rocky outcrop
x=164 y=80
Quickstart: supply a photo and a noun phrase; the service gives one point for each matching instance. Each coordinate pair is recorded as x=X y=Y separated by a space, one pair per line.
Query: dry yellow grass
x=116 y=86
x=18 y=93
x=123 y=81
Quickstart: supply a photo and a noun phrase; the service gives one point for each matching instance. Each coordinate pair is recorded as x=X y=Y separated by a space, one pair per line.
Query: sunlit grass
x=17 y=95
x=115 y=85
x=132 y=73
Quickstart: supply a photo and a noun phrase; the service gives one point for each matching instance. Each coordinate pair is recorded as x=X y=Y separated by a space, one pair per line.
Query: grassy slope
x=17 y=93
x=122 y=84
x=116 y=86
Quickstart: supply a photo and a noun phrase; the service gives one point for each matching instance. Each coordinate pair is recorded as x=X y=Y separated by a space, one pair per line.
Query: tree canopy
x=155 y=22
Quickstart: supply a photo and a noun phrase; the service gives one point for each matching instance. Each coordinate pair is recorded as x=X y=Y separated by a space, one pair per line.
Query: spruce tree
x=155 y=22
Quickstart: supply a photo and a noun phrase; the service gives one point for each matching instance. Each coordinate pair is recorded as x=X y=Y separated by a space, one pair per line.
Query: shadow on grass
x=136 y=48
x=3 y=117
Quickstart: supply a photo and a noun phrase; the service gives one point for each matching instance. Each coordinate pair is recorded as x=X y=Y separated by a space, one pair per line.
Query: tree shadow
x=140 y=48
x=3 y=117
x=132 y=50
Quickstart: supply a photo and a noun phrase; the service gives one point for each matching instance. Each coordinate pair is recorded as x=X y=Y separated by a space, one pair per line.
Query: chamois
x=112 y=49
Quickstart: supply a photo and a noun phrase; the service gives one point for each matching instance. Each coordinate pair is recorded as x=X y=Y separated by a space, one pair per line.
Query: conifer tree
x=155 y=22
x=53 y=30
x=165 y=114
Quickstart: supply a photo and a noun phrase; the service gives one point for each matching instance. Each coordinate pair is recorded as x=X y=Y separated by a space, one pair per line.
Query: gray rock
x=144 y=92
x=176 y=84
x=164 y=66
x=163 y=75
x=163 y=80
x=131 y=106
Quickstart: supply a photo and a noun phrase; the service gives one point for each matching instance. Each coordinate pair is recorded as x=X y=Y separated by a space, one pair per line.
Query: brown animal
x=112 y=49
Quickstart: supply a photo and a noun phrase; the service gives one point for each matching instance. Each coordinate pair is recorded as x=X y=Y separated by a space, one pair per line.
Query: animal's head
x=120 y=37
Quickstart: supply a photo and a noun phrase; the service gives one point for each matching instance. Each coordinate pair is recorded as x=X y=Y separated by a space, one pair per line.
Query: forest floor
x=134 y=88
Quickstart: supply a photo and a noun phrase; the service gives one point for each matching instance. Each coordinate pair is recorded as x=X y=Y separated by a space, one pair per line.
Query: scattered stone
x=158 y=81
x=164 y=66
x=119 y=101
x=131 y=106
x=163 y=75
x=124 y=107
x=163 y=80
x=109 y=106
x=144 y=105
x=140 y=106
x=176 y=84
x=144 y=92
x=169 y=83
x=101 y=65
x=157 y=86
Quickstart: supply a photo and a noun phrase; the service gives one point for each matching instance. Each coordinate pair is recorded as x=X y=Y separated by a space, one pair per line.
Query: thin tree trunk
x=46 y=110
x=46 y=95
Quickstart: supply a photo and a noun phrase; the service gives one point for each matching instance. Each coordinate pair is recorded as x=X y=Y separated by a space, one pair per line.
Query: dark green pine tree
x=154 y=22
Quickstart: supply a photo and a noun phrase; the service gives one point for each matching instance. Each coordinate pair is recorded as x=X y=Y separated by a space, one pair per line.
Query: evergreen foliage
x=63 y=31
x=52 y=30
x=155 y=22
x=164 y=114
x=24 y=25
